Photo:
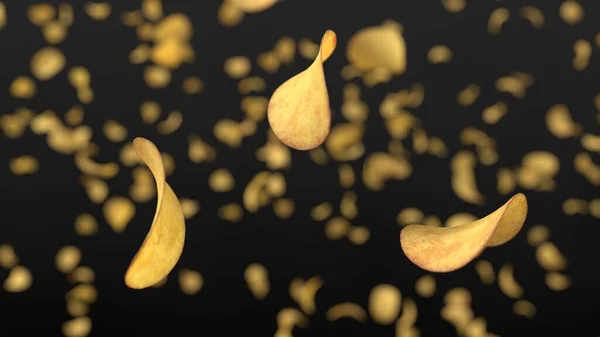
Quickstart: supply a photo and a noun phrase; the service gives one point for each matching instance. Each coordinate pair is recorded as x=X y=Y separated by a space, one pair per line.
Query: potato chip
x=257 y=280
x=524 y=308
x=114 y=131
x=493 y=113
x=498 y=17
x=24 y=165
x=346 y=176
x=77 y=327
x=378 y=47
x=557 y=281
x=81 y=274
x=345 y=142
x=533 y=15
x=463 y=178
x=284 y=49
x=384 y=303
x=445 y=249
x=284 y=208
x=303 y=292
x=96 y=189
x=157 y=77
x=152 y=9
x=19 y=279
x=163 y=245
x=571 y=12
x=380 y=167
x=193 y=85
x=237 y=67
x=8 y=257
x=189 y=207
x=118 y=212
x=67 y=259
x=485 y=270
x=550 y=258
x=77 y=308
x=229 y=15
x=439 y=54
x=190 y=281
x=288 y=318
x=23 y=87
x=231 y=212
x=560 y=122
x=346 y=310
x=359 y=235
x=172 y=53
x=98 y=11
x=171 y=124
x=425 y=286
x=583 y=52
x=454 y=6
x=300 y=123
x=47 y=63
x=409 y=215
x=321 y=212
x=337 y=227
x=253 y=6
x=86 y=225
x=348 y=207
x=468 y=95
x=87 y=165
x=507 y=283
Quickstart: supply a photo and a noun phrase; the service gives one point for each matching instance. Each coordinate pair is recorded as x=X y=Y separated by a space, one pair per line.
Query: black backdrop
x=38 y=211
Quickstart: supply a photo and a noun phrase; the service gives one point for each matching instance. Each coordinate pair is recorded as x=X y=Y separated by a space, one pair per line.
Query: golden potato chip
x=384 y=303
x=47 y=63
x=199 y=151
x=550 y=258
x=41 y=14
x=439 y=54
x=252 y=192
x=463 y=178
x=498 y=17
x=79 y=77
x=359 y=235
x=118 y=212
x=8 y=257
x=74 y=116
x=172 y=53
x=454 y=6
x=337 y=227
x=19 y=279
x=157 y=77
x=81 y=274
x=537 y=235
x=300 y=123
x=380 y=167
x=24 y=165
x=493 y=113
x=152 y=9
x=171 y=124
x=468 y=95
x=67 y=259
x=77 y=308
x=594 y=208
x=346 y=176
x=14 y=125
x=506 y=181
x=229 y=132
x=378 y=47
x=96 y=189
x=77 y=327
x=98 y=11
x=288 y=318
x=507 y=283
x=150 y=112
x=524 y=308
x=221 y=180
x=583 y=52
x=237 y=67
x=23 y=87
x=284 y=49
x=65 y=14
x=87 y=165
x=190 y=281
x=534 y=15
x=86 y=225
x=284 y=208
x=425 y=286
x=444 y=249
x=346 y=310
x=348 y=207
x=557 y=281
x=257 y=280
x=229 y=15
x=571 y=12
x=590 y=142
x=163 y=245
x=574 y=206
x=253 y=6
x=231 y=212
x=140 y=54
x=193 y=85
x=410 y=215
x=321 y=212
x=485 y=270
x=560 y=122
x=114 y=131
x=189 y=207
x=175 y=26
x=303 y=293
x=83 y=292
x=345 y=142
x=143 y=188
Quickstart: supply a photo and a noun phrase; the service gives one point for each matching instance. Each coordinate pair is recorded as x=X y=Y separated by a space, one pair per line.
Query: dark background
x=37 y=212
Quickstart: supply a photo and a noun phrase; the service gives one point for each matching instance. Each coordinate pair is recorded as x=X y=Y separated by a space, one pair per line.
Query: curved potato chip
x=384 y=303
x=47 y=62
x=253 y=6
x=299 y=112
x=19 y=279
x=443 y=249
x=378 y=47
x=507 y=283
x=346 y=309
x=77 y=327
x=163 y=245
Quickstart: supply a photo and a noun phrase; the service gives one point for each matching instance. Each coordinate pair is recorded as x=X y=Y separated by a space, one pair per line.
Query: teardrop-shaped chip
x=299 y=112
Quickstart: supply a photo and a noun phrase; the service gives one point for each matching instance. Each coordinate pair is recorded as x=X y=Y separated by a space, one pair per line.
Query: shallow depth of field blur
x=441 y=111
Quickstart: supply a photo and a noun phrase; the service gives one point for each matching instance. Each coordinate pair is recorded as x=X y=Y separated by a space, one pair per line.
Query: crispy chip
x=19 y=279
x=444 y=249
x=346 y=310
x=300 y=123
x=378 y=47
x=384 y=303
x=507 y=283
x=47 y=63
x=257 y=280
x=163 y=245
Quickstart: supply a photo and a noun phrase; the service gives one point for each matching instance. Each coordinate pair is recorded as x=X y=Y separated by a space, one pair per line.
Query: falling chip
x=143 y=188
x=492 y=114
x=257 y=280
x=288 y=318
x=463 y=178
x=190 y=281
x=445 y=249
x=41 y=14
x=8 y=257
x=47 y=63
x=199 y=151
x=303 y=292
x=229 y=15
x=14 y=125
x=284 y=49
x=425 y=286
x=284 y=208
x=81 y=274
x=252 y=84
x=157 y=77
x=537 y=235
x=384 y=303
x=408 y=317
x=74 y=116
x=152 y=9
x=459 y=219
x=590 y=142
x=557 y=281
x=594 y=208
x=237 y=67
x=321 y=212
x=79 y=77
x=346 y=310
x=498 y=17
x=300 y=123
x=454 y=6
x=506 y=181
x=77 y=327
x=114 y=131
x=359 y=235
x=193 y=85
x=253 y=6
x=571 y=12
x=345 y=142
x=534 y=15
x=24 y=165
x=574 y=206
x=346 y=176
x=189 y=207
x=524 y=308
x=468 y=95
x=19 y=279
x=485 y=270
x=221 y=180
x=67 y=259
x=87 y=165
x=171 y=124
x=118 y=212
x=96 y=189
x=348 y=207
x=409 y=215
x=336 y=228
x=163 y=245
x=98 y=11
x=77 y=308
x=229 y=132
x=560 y=122
x=550 y=258
x=378 y=47
x=276 y=185
x=439 y=54
x=150 y=112
x=253 y=191
x=583 y=52
x=23 y=87
x=231 y=212
x=83 y=292
x=507 y=283
x=268 y=61
x=380 y=167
